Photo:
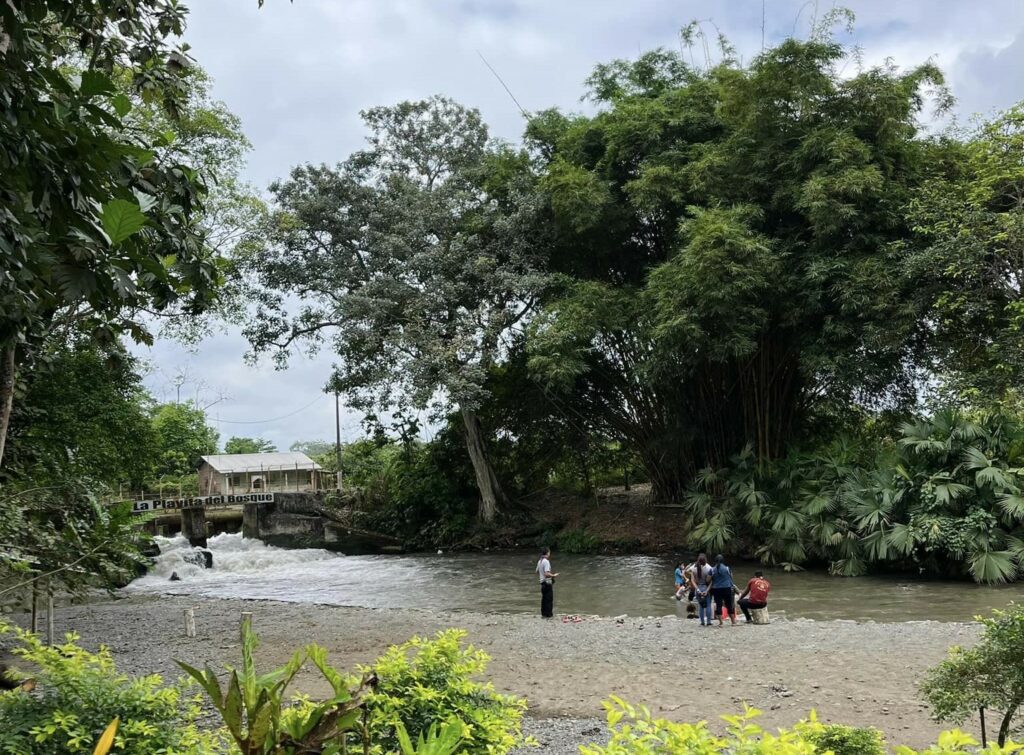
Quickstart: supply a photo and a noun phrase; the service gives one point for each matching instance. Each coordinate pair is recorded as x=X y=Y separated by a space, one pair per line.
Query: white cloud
x=298 y=73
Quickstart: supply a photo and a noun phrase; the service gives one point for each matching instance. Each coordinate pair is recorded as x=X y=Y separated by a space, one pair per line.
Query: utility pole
x=337 y=431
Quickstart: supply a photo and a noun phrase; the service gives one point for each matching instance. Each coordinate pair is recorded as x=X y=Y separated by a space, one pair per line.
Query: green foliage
x=254 y=709
x=100 y=228
x=83 y=412
x=425 y=681
x=64 y=528
x=971 y=220
x=945 y=498
x=422 y=493
x=443 y=740
x=236 y=445
x=183 y=436
x=415 y=262
x=725 y=238
x=577 y=541
x=79 y=693
x=990 y=675
x=635 y=732
x=846 y=740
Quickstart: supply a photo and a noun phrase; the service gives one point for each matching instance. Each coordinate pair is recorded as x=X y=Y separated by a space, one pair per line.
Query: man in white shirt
x=547 y=584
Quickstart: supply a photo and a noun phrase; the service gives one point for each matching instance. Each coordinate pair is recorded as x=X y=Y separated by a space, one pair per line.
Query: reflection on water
x=506 y=583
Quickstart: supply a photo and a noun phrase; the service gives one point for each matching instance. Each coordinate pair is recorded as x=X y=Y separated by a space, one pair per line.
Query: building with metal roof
x=222 y=474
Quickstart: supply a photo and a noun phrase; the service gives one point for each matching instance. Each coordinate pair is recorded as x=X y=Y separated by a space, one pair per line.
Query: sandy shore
x=862 y=674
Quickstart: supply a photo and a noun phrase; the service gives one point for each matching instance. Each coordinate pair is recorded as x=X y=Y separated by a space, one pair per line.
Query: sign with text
x=205 y=501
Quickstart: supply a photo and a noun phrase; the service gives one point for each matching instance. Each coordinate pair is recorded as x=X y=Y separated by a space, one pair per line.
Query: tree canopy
x=726 y=243
x=236 y=445
x=414 y=260
x=98 y=225
x=183 y=436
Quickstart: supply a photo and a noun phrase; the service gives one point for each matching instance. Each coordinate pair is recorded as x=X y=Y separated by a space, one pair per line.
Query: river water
x=505 y=582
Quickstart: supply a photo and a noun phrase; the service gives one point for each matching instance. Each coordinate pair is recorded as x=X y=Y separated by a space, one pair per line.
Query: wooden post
x=337 y=438
x=190 y=622
x=984 y=736
x=49 y=614
x=245 y=627
x=35 y=607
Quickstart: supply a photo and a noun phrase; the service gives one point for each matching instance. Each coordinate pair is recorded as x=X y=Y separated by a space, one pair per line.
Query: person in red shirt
x=756 y=594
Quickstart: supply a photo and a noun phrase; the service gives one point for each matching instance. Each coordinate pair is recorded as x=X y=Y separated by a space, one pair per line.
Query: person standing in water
x=547 y=584
x=723 y=590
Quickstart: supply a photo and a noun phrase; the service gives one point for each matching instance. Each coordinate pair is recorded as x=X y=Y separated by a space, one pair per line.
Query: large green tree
x=726 y=238
x=96 y=226
x=970 y=216
x=183 y=436
x=414 y=260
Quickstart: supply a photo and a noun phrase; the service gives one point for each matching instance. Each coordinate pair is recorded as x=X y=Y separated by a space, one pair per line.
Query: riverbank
x=856 y=673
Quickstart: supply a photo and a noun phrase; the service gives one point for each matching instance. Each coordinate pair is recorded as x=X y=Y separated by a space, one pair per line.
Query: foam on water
x=236 y=560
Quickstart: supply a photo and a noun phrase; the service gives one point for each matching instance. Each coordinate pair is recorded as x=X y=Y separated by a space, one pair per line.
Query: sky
x=298 y=73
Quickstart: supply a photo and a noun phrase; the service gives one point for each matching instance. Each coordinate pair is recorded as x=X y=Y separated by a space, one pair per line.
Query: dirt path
x=862 y=674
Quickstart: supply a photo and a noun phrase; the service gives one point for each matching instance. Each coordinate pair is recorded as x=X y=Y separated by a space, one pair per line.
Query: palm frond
x=992 y=567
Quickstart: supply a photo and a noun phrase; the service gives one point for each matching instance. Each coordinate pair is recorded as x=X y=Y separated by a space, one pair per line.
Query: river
x=504 y=582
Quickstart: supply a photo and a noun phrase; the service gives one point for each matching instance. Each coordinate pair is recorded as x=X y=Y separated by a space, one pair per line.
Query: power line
x=502 y=82
x=274 y=419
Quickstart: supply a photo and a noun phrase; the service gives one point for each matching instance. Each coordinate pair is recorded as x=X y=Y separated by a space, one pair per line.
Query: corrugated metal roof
x=240 y=463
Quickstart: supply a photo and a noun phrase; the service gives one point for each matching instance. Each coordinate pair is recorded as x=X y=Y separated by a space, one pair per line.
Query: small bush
x=426 y=681
x=577 y=541
x=79 y=693
x=846 y=740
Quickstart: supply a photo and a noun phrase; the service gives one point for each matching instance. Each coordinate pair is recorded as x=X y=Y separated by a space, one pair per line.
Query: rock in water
x=199 y=557
x=175 y=577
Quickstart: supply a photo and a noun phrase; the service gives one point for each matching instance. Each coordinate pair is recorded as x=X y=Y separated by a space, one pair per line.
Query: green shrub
x=263 y=721
x=989 y=675
x=426 y=681
x=846 y=740
x=635 y=732
x=79 y=693
x=577 y=541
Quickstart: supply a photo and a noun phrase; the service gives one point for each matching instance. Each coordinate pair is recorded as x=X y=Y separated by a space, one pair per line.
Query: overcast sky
x=299 y=73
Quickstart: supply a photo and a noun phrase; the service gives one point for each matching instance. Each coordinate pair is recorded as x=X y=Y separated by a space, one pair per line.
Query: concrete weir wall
x=296 y=520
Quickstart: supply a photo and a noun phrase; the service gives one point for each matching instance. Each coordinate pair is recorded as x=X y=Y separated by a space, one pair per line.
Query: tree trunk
x=491 y=494
x=8 y=373
x=1004 y=727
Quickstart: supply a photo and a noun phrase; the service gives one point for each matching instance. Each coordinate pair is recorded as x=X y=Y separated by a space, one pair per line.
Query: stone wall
x=297 y=520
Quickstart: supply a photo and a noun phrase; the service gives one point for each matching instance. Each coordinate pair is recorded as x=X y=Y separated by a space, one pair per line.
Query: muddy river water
x=505 y=582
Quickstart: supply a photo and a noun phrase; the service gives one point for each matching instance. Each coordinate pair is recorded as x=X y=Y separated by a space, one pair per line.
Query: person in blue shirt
x=681 y=580
x=723 y=589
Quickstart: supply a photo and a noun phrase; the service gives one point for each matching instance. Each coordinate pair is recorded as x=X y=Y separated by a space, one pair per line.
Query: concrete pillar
x=251 y=520
x=193 y=526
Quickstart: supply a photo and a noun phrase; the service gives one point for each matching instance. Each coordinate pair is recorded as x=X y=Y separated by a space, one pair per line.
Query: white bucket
x=759 y=615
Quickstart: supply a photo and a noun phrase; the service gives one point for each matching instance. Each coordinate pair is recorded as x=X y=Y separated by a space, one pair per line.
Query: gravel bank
x=856 y=673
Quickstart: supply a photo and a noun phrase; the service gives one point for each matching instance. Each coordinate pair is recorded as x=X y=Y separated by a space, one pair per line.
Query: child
x=682 y=579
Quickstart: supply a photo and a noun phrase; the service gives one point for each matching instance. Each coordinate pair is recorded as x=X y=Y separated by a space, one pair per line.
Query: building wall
x=209 y=480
